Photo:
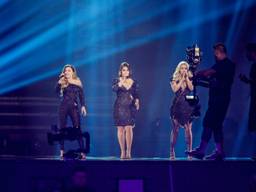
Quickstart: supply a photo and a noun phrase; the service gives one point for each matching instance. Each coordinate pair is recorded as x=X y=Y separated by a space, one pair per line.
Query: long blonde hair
x=176 y=75
x=74 y=76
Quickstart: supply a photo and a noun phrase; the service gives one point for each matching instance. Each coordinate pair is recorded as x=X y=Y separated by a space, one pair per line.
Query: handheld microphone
x=61 y=75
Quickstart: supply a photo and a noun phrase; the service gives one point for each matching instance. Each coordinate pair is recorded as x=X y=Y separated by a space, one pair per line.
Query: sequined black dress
x=180 y=109
x=124 y=107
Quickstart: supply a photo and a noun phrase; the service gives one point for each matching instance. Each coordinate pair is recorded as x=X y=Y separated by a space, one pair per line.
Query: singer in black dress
x=70 y=89
x=125 y=108
x=181 y=111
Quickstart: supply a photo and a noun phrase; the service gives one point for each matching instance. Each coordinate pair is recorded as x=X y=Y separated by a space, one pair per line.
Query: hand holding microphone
x=61 y=75
x=62 y=79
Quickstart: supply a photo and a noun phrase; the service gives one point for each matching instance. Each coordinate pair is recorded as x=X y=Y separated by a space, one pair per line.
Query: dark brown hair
x=124 y=64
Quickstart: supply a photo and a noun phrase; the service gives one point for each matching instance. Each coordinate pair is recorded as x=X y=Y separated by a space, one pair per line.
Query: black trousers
x=213 y=120
x=70 y=110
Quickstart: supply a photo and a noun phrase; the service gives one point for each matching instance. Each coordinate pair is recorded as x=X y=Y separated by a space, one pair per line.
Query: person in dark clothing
x=251 y=56
x=251 y=80
x=125 y=108
x=181 y=111
x=220 y=77
x=70 y=89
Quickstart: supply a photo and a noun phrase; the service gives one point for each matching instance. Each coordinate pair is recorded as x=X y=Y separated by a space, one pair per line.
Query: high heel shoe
x=172 y=154
x=122 y=155
x=128 y=155
x=61 y=155
x=189 y=157
x=83 y=156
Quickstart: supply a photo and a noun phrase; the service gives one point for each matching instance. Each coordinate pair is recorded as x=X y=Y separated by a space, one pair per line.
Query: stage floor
x=113 y=158
x=105 y=173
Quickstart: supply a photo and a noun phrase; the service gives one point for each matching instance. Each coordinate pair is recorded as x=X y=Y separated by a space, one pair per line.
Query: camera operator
x=251 y=56
x=220 y=78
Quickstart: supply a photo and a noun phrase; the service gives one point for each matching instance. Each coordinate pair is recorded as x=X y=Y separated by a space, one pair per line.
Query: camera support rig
x=193 y=57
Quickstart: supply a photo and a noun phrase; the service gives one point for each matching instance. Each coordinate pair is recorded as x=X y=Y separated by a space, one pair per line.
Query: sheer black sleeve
x=57 y=89
x=81 y=96
x=136 y=90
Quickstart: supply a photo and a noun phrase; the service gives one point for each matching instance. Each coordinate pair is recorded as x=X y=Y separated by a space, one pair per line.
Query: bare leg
x=121 y=140
x=62 y=149
x=129 y=138
x=61 y=153
x=174 y=135
x=188 y=137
